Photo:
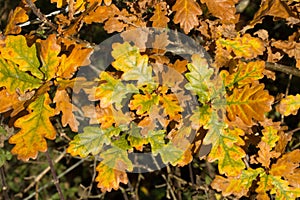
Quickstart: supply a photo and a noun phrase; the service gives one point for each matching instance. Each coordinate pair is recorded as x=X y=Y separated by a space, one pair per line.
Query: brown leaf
x=187 y=12
x=64 y=105
x=159 y=18
x=291 y=48
x=276 y=8
x=223 y=9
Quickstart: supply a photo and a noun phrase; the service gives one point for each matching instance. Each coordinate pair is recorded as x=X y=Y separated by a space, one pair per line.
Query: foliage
x=150 y=100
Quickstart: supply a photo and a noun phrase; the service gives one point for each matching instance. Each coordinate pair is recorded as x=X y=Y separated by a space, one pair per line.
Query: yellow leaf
x=249 y=103
x=187 y=12
x=35 y=128
x=223 y=9
x=245 y=46
x=245 y=74
x=289 y=105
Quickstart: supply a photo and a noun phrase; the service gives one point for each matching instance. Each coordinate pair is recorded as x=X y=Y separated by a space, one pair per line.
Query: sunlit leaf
x=19 y=15
x=238 y=186
x=79 y=56
x=245 y=73
x=249 y=103
x=223 y=9
x=112 y=169
x=35 y=127
x=49 y=50
x=289 y=105
x=91 y=141
x=64 y=106
x=143 y=103
x=187 y=12
x=16 y=50
x=246 y=46
x=159 y=18
x=199 y=78
x=226 y=149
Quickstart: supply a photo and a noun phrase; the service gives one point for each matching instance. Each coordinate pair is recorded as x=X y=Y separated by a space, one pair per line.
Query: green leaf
x=112 y=169
x=91 y=141
x=226 y=149
x=4 y=156
x=156 y=140
x=135 y=138
x=17 y=51
x=126 y=56
x=35 y=128
x=143 y=103
x=199 y=78
x=112 y=91
x=12 y=78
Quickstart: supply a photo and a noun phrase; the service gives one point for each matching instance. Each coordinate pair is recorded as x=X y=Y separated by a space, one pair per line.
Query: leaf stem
x=56 y=181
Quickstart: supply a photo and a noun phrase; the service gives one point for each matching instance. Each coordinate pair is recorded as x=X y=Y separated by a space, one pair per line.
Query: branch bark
x=283 y=68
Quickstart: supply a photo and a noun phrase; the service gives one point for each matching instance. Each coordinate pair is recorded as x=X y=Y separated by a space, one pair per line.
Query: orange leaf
x=35 y=127
x=10 y=101
x=79 y=56
x=64 y=105
x=223 y=9
x=159 y=18
x=17 y=16
x=49 y=50
x=186 y=14
x=249 y=102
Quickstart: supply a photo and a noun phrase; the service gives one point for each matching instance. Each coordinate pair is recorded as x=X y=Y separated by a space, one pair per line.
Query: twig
x=286 y=93
x=40 y=15
x=283 y=68
x=45 y=171
x=56 y=181
x=4 y=185
x=61 y=175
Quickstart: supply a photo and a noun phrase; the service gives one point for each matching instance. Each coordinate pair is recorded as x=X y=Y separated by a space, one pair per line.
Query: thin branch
x=56 y=181
x=45 y=171
x=283 y=68
x=4 y=185
x=40 y=15
x=61 y=175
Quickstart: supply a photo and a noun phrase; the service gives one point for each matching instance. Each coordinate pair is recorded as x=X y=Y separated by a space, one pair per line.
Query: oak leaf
x=246 y=46
x=244 y=74
x=249 y=102
x=187 y=12
x=91 y=141
x=49 y=50
x=239 y=185
x=226 y=149
x=19 y=15
x=10 y=101
x=143 y=103
x=79 y=56
x=289 y=105
x=291 y=48
x=14 y=79
x=223 y=9
x=199 y=78
x=112 y=169
x=16 y=50
x=64 y=106
x=35 y=128
x=159 y=18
